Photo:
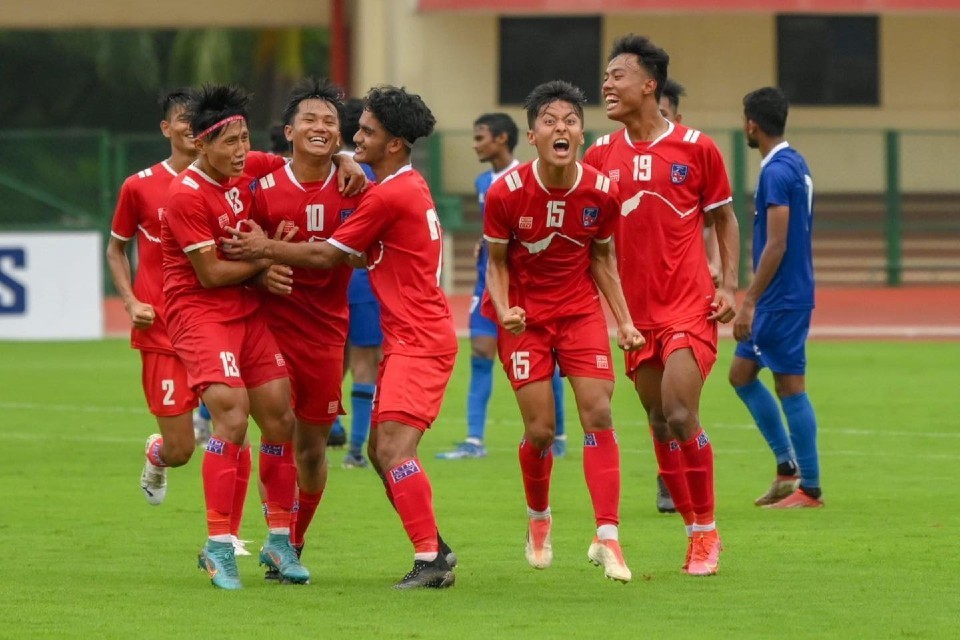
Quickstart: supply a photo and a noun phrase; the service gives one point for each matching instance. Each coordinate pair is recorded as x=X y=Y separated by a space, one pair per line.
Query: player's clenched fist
x=514 y=320
x=245 y=245
x=629 y=338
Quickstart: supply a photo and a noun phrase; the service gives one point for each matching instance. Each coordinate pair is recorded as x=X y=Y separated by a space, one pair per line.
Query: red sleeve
x=260 y=209
x=609 y=214
x=126 y=217
x=496 y=215
x=259 y=164
x=364 y=226
x=716 y=187
x=187 y=219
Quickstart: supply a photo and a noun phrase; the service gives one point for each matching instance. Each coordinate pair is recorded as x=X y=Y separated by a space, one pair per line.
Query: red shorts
x=410 y=389
x=697 y=334
x=579 y=344
x=165 y=385
x=241 y=353
x=316 y=377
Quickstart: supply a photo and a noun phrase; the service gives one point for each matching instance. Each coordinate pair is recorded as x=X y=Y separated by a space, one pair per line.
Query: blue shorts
x=364 y=312
x=481 y=325
x=779 y=341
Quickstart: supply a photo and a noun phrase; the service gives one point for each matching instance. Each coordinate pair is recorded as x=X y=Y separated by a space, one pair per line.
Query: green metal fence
x=888 y=202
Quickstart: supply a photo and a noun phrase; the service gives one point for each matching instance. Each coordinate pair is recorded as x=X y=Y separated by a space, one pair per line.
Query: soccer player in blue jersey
x=365 y=337
x=495 y=136
x=772 y=323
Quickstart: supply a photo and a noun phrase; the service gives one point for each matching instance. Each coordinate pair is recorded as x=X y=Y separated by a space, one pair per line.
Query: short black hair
x=312 y=89
x=767 y=107
x=350 y=120
x=672 y=90
x=654 y=59
x=498 y=124
x=167 y=100
x=553 y=91
x=404 y=115
x=278 y=140
x=211 y=103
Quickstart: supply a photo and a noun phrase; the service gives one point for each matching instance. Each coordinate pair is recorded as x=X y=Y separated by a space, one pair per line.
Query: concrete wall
x=452 y=60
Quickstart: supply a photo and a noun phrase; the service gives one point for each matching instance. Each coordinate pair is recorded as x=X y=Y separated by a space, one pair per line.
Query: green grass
x=83 y=555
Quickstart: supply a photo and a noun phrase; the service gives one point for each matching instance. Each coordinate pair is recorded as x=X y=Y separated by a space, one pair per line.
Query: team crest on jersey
x=678 y=173
x=405 y=470
x=253 y=186
x=224 y=220
x=526 y=222
x=590 y=216
x=615 y=175
x=346 y=213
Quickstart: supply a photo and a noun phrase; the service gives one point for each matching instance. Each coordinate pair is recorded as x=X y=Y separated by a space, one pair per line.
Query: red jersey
x=397 y=226
x=197 y=210
x=316 y=311
x=138 y=213
x=548 y=233
x=665 y=187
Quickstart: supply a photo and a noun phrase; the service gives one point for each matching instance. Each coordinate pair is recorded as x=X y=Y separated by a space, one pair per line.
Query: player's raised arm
x=603 y=268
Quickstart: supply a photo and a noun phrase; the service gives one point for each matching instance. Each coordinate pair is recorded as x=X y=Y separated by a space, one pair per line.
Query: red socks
x=279 y=476
x=671 y=463
x=413 y=499
x=307 y=504
x=240 y=490
x=536 y=466
x=220 y=462
x=601 y=468
x=153 y=453
x=698 y=469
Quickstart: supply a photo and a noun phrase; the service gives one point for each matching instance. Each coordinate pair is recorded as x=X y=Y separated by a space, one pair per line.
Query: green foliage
x=86 y=556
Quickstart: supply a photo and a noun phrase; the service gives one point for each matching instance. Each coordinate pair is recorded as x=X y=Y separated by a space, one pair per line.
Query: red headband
x=217 y=125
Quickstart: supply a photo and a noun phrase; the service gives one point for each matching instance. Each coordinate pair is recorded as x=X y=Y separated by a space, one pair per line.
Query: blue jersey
x=482 y=185
x=785 y=181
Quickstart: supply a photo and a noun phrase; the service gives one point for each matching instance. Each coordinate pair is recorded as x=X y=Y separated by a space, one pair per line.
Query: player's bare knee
x=540 y=433
x=597 y=416
x=681 y=422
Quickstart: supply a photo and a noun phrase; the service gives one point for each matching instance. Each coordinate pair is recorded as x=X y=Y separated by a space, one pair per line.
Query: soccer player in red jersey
x=669 y=178
x=309 y=319
x=138 y=213
x=397 y=228
x=549 y=226
x=231 y=357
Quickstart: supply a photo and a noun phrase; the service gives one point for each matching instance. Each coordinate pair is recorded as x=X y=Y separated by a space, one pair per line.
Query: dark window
x=537 y=50
x=829 y=60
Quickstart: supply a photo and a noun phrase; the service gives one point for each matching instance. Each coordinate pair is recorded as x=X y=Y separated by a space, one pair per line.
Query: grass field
x=84 y=556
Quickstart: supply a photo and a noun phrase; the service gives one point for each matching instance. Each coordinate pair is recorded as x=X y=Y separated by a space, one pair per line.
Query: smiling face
x=626 y=84
x=176 y=127
x=225 y=155
x=315 y=130
x=557 y=133
x=371 y=140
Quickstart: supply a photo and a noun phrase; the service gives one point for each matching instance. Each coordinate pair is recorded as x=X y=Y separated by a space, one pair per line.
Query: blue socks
x=478 y=396
x=766 y=413
x=803 y=432
x=558 y=402
x=204 y=412
x=361 y=405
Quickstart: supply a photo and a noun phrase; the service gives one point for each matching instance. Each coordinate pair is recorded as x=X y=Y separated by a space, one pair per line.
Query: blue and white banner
x=51 y=286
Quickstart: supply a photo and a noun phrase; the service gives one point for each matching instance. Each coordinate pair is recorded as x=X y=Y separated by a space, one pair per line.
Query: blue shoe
x=464 y=450
x=559 y=446
x=218 y=560
x=277 y=553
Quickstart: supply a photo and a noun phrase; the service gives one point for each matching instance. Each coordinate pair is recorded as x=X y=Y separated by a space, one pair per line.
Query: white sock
x=280 y=531
x=222 y=538
x=538 y=515
x=608 y=532
x=475 y=441
x=700 y=528
x=689 y=528
x=429 y=557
